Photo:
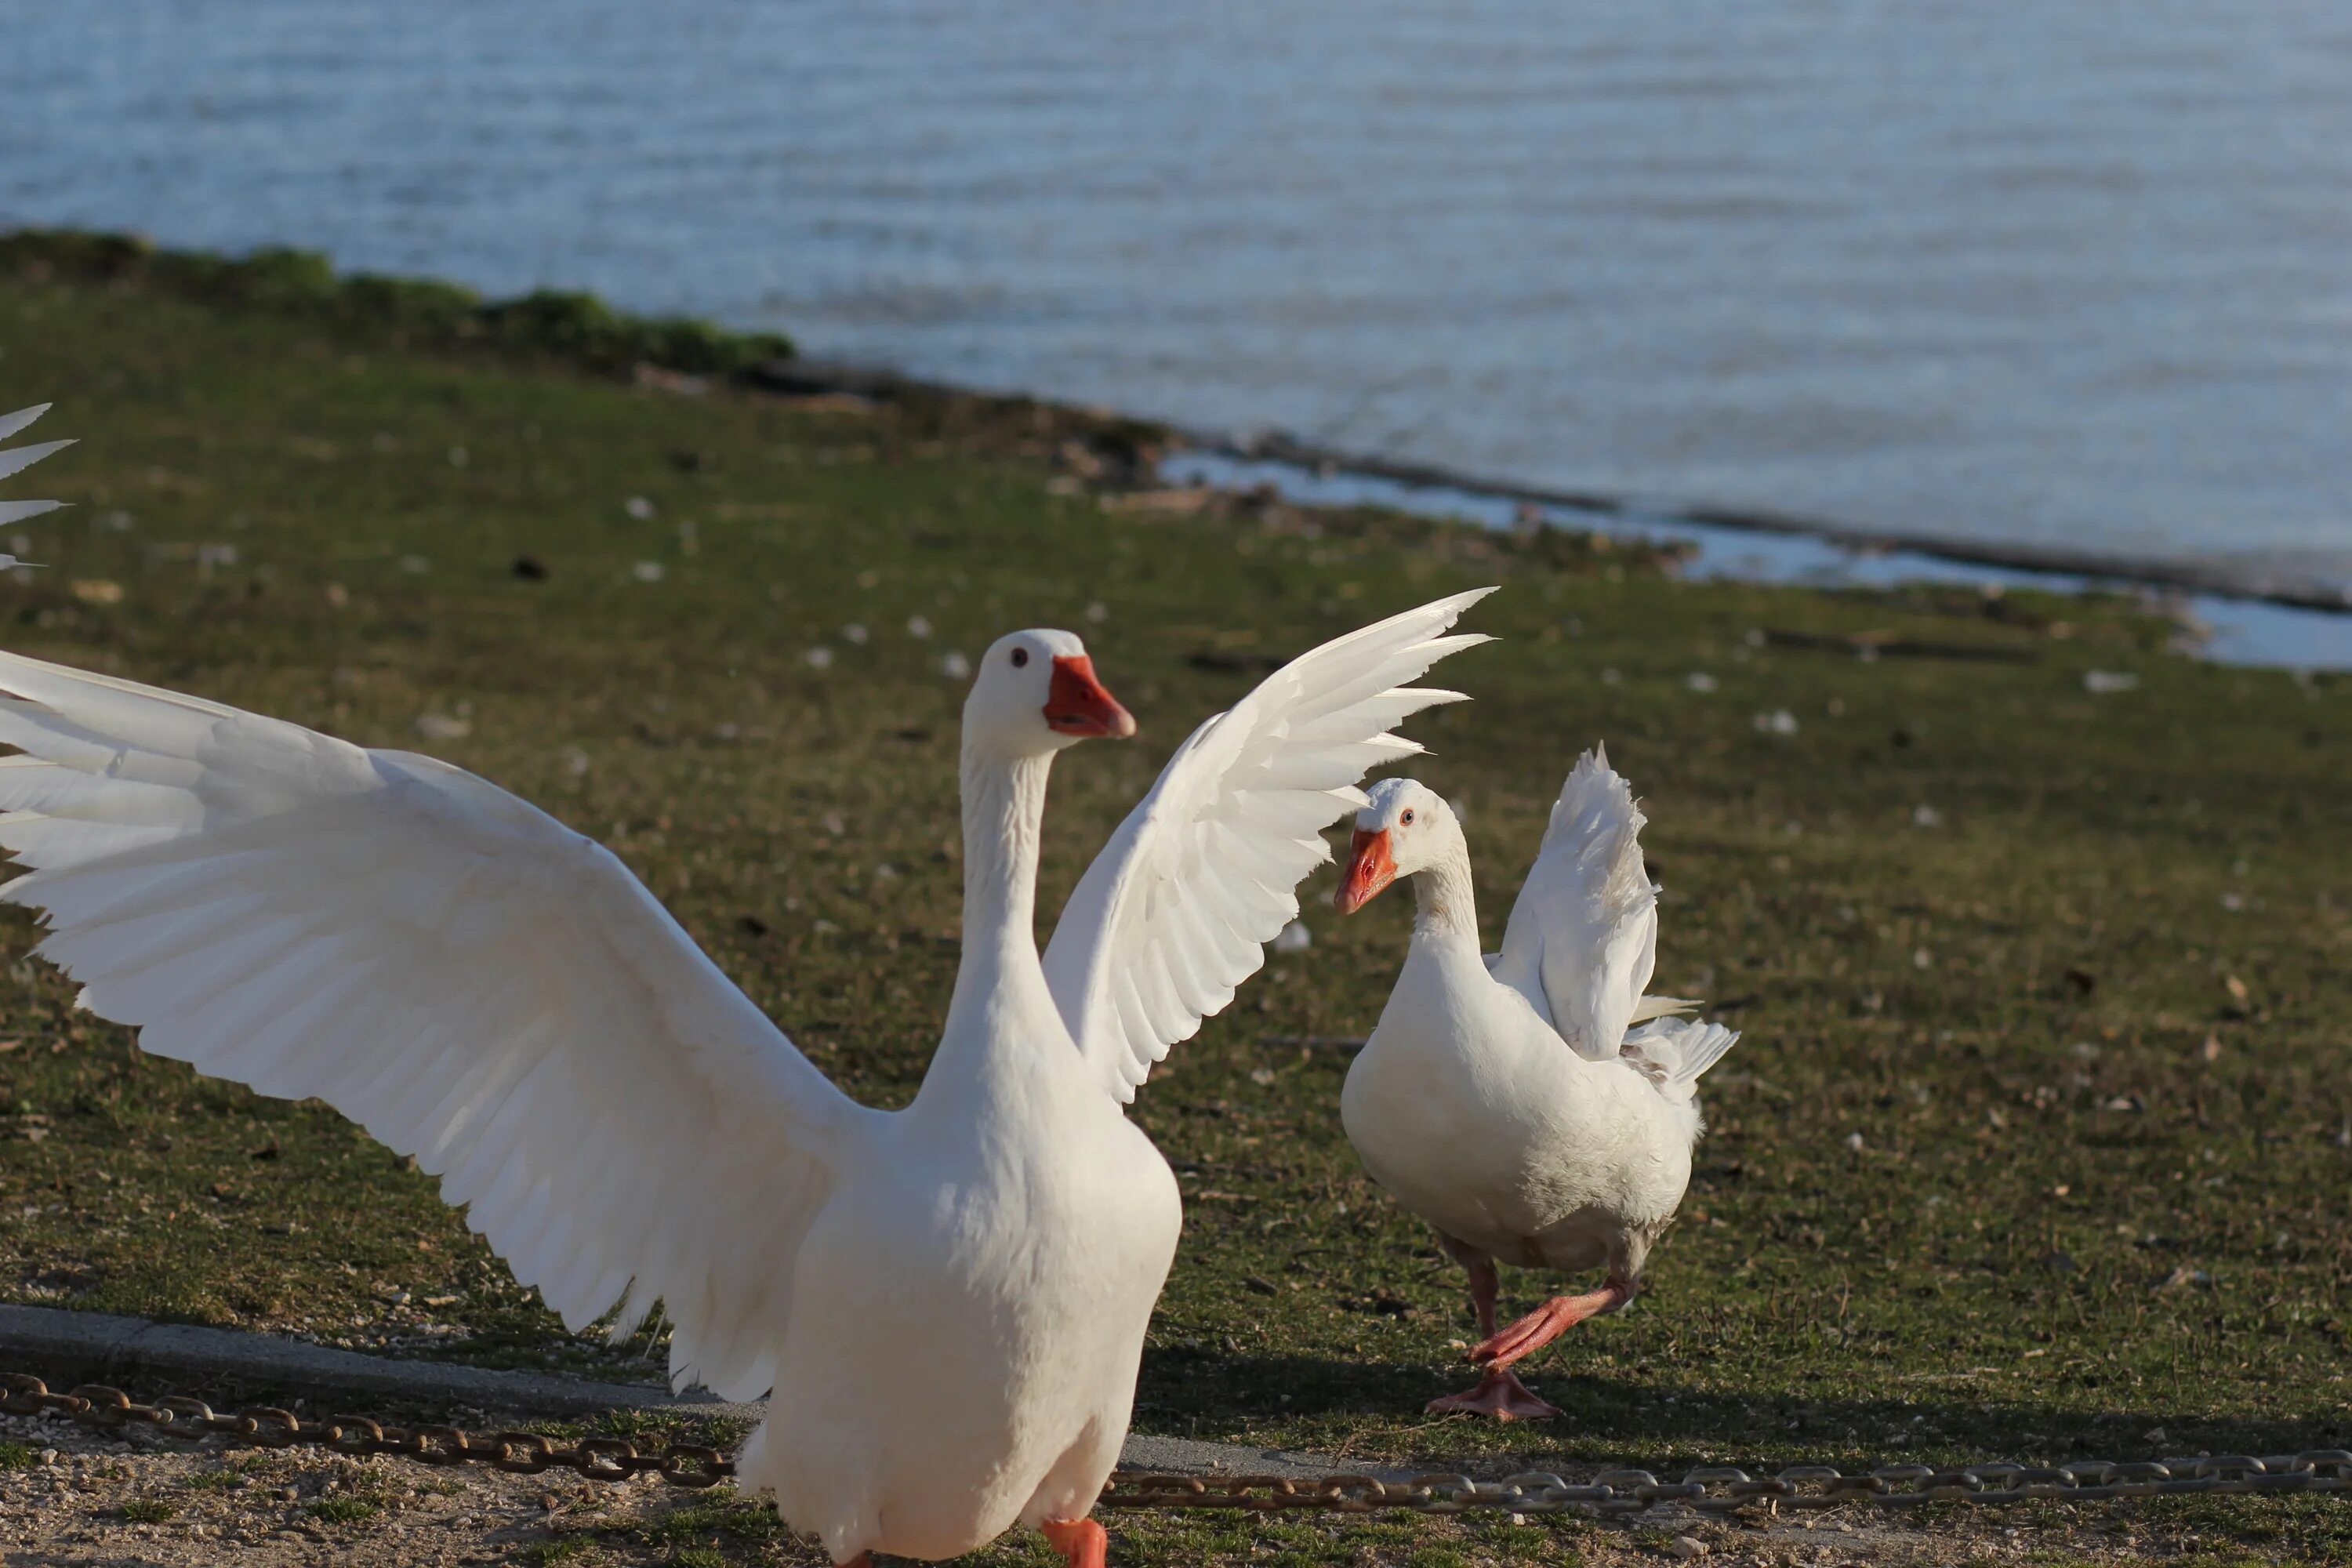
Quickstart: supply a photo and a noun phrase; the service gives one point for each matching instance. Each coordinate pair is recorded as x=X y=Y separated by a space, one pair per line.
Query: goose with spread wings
x=949 y=1301
x=1508 y=1099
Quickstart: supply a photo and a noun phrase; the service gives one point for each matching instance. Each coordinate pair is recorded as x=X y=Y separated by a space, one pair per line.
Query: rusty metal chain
x=1713 y=1488
x=1721 y=1489
x=516 y=1453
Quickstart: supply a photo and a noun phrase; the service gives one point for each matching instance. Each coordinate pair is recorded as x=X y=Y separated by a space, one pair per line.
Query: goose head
x=1037 y=692
x=1405 y=827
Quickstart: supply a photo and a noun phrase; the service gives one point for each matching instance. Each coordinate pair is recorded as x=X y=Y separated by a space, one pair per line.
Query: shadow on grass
x=1374 y=1410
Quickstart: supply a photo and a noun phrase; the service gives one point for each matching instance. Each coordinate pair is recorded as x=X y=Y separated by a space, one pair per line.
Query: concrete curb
x=67 y=1347
x=95 y=1347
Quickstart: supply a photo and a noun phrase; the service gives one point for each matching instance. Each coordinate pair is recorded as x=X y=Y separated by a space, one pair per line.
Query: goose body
x=948 y=1301
x=1502 y=1097
x=969 y=1316
x=1465 y=1107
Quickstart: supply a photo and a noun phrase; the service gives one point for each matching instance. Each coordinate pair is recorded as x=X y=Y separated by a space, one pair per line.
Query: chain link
x=1716 y=1488
x=356 y=1436
x=1713 y=1488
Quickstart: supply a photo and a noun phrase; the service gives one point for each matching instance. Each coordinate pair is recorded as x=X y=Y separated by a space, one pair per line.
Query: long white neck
x=1445 y=909
x=1004 y=810
x=1002 y=1021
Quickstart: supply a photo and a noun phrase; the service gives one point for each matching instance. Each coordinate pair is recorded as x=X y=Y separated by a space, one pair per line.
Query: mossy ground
x=2037 y=1142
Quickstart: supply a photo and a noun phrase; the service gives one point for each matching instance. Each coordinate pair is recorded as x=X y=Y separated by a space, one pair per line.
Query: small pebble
x=1687 y=1547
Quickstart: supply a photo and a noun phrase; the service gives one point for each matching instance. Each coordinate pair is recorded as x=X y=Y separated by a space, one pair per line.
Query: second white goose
x=1502 y=1097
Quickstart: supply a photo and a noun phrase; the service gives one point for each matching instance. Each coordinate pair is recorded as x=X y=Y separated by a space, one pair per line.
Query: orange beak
x=1076 y=704
x=1370 y=867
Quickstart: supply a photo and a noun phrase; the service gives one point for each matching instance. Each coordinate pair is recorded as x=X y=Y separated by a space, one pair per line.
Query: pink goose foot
x=1501 y=1395
x=1548 y=1322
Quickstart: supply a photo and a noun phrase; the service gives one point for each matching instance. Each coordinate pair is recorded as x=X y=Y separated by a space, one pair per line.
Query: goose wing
x=1178 y=908
x=19 y=458
x=1584 y=935
x=467 y=978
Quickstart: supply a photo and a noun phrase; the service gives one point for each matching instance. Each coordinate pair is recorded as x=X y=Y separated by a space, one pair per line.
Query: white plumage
x=949 y=1302
x=1502 y=1098
x=17 y=461
x=1177 y=909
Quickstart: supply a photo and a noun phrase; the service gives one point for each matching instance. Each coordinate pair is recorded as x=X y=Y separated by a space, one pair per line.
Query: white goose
x=949 y=1302
x=1501 y=1097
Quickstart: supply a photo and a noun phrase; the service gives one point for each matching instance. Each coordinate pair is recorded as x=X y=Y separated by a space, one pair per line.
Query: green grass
x=342 y=1508
x=148 y=1511
x=575 y=330
x=221 y=1480
x=557 y=1549
x=2043 y=991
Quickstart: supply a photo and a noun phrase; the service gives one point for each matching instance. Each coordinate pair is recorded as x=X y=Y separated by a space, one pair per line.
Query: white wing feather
x=1583 y=936
x=472 y=982
x=1676 y=1052
x=1177 y=909
x=18 y=459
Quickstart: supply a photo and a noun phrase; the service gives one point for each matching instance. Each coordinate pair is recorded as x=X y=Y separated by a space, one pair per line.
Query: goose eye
x=1019 y=657
x=1406 y=819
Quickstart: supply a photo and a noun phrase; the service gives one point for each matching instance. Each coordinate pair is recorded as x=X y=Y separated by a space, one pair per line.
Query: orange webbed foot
x=1081 y=1541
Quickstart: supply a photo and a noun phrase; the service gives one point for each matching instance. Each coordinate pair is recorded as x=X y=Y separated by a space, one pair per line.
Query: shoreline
x=2301 y=625
x=687 y=355
x=1278 y=450
x=2185 y=575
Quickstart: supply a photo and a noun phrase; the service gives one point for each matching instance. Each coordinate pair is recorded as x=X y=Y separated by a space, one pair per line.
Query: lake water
x=2068 y=272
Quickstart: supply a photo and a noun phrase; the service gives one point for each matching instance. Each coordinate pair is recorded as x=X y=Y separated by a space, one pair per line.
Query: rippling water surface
x=2067 y=272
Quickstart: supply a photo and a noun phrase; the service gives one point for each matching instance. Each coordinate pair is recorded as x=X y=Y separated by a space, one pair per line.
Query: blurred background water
x=2069 y=273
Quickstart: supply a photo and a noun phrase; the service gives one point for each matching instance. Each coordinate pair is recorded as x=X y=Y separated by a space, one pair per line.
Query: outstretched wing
x=20 y=458
x=1177 y=909
x=1584 y=935
x=472 y=982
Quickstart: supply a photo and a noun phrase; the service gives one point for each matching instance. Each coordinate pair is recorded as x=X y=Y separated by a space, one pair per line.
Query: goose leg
x=1548 y=1322
x=1483 y=1280
x=1499 y=1394
x=1081 y=1541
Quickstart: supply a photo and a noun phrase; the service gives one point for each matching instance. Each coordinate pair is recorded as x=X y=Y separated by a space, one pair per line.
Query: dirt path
x=90 y=1498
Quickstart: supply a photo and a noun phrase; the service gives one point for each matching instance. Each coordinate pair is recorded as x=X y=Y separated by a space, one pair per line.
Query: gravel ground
x=92 y=1499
